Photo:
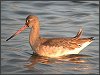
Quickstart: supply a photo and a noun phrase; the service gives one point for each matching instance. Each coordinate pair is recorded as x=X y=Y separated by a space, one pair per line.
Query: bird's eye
x=27 y=21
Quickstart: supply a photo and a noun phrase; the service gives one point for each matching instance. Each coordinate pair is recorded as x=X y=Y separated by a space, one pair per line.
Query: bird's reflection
x=74 y=58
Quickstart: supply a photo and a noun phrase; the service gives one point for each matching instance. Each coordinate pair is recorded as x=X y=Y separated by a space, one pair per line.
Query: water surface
x=57 y=19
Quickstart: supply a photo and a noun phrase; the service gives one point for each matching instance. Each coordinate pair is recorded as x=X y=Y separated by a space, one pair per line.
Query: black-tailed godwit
x=52 y=47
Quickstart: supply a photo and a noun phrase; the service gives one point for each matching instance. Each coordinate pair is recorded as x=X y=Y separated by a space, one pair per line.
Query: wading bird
x=52 y=47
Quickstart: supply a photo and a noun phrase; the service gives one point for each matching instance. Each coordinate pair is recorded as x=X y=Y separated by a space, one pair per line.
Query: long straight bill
x=19 y=31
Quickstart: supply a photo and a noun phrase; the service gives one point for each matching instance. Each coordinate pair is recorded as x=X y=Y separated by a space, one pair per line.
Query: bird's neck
x=34 y=34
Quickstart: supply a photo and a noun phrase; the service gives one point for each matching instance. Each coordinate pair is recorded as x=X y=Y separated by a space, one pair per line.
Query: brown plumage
x=53 y=47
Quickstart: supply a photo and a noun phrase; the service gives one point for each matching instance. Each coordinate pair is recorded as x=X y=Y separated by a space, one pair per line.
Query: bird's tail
x=79 y=33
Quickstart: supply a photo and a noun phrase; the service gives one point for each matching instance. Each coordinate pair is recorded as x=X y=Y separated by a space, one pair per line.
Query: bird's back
x=55 y=47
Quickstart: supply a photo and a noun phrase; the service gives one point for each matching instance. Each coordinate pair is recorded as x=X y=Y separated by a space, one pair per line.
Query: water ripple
x=57 y=19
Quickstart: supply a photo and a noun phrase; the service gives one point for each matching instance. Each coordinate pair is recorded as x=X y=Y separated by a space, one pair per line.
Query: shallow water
x=57 y=19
